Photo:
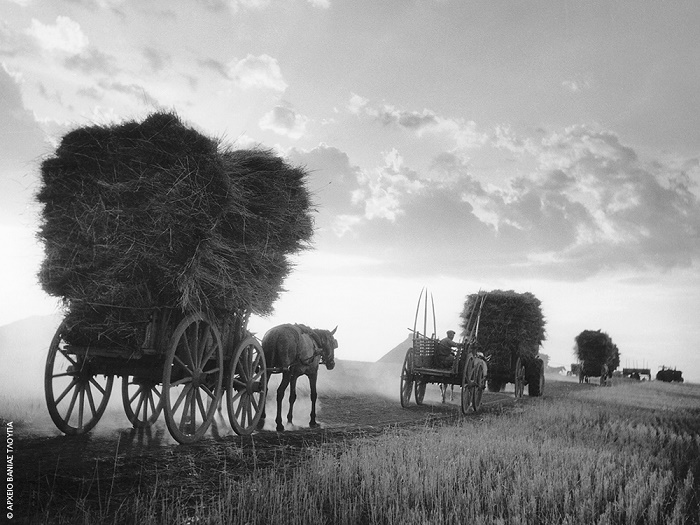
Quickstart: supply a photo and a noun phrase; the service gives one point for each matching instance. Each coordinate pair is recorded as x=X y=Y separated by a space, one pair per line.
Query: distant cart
x=512 y=329
x=420 y=366
x=186 y=365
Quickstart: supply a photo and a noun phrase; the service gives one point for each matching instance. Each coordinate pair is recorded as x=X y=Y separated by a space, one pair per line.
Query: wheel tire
x=407 y=378
x=479 y=380
x=73 y=378
x=246 y=388
x=494 y=385
x=535 y=381
x=467 y=387
x=419 y=391
x=138 y=396
x=192 y=373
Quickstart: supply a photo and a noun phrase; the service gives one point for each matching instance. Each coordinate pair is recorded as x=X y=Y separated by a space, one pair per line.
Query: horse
x=296 y=350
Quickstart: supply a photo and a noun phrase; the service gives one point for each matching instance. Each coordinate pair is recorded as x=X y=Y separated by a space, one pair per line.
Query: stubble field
x=580 y=454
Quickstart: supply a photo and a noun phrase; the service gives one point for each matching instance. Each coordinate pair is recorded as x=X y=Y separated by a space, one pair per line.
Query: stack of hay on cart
x=594 y=348
x=510 y=322
x=154 y=214
x=511 y=325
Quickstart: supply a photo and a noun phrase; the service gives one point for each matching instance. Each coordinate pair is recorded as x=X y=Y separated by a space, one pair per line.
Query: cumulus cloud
x=64 y=36
x=590 y=204
x=463 y=133
x=261 y=71
x=284 y=121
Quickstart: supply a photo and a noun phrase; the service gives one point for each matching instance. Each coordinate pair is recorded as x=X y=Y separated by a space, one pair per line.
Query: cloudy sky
x=549 y=147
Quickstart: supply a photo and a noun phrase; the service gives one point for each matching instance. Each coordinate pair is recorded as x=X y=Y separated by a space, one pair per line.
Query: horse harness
x=301 y=329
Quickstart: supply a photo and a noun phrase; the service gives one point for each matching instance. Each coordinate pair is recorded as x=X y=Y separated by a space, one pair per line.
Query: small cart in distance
x=420 y=365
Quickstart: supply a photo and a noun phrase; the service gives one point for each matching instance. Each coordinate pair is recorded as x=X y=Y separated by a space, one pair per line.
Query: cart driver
x=444 y=351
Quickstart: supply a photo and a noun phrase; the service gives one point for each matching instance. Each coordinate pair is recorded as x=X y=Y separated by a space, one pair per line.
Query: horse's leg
x=314 y=395
x=292 y=397
x=261 y=423
x=280 y=397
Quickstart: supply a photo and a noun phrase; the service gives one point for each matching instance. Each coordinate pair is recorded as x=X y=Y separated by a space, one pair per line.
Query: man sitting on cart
x=444 y=354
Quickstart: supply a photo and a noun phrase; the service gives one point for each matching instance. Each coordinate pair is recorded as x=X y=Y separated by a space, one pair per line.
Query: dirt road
x=122 y=460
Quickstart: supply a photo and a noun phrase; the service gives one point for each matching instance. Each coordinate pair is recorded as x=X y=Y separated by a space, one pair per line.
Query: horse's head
x=328 y=346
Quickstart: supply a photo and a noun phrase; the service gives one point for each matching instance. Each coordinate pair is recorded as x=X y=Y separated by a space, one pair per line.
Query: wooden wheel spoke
x=81 y=407
x=237 y=396
x=184 y=365
x=151 y=401
x=140 y=403
x=188 y=350
x=208 y=391
x=68 y=357
x=91 y=400
x=138 y=391
x=68 y=388
x=182 y=381
x=98 y=386
x=183 y=394
x=200 y=404
x=63 y=374
x=71 y=406
x=206 y=346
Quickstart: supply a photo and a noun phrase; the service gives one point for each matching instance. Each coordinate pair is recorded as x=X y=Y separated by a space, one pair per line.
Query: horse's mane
x=312 y=332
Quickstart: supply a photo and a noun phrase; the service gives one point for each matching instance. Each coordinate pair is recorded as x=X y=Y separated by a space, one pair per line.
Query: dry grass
x=627 y=454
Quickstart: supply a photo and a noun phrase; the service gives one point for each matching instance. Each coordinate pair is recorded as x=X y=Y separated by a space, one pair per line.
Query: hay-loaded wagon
x=669 y=375
x=511 y=332
x=421 y=365
x=161 y=244
x=598 y=356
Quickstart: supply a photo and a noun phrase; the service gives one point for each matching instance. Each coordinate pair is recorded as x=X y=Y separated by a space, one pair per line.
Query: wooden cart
x=185 y=367
x=420 y=365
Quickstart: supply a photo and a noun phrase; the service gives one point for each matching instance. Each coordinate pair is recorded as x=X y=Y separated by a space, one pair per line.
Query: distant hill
x=23 y=348
x=398 y=353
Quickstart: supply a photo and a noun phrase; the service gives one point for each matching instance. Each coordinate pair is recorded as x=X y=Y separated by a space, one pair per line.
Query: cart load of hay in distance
x=422 y=364
x=161 y=242
x=511 y=331
x=597 y=354
x=669 y=375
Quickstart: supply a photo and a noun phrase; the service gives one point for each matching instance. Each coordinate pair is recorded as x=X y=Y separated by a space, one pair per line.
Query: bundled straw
x=595 y=348
x=511 y=324
x=154 y=214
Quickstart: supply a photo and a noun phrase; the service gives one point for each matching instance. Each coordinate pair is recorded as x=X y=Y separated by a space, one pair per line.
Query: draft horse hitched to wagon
x=161 y=242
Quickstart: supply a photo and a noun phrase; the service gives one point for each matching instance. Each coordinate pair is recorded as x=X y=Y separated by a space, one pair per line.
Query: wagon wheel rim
x=478 y=387
x=192 y=378
x=143 y=400
x=76 y=397
x=406 y=379
x=519 y=378
x=467 y=389
x=246 y=388
x=419 y=392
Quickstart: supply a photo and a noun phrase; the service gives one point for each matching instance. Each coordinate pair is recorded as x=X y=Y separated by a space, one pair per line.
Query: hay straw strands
x=594 y=348
x=154 y=214
x=511 y=324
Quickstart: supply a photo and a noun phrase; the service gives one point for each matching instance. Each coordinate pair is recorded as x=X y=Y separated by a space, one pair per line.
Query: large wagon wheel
x=479 y=385
x=467 y=387
x=519 y=378
x=143 y=400
x=192 y=377
x=407 y=378
x=246 y=389
x=75 y=396
x=419 y=392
